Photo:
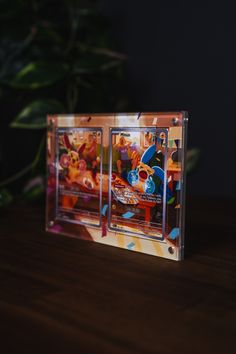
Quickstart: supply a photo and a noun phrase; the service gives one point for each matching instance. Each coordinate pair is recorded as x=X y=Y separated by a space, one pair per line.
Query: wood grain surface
x=62 y=295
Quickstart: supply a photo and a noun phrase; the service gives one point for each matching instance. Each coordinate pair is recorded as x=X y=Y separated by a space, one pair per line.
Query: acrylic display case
x=118 y=179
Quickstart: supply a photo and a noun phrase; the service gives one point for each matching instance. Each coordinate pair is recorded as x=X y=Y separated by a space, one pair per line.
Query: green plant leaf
x=108 y=53
x=33 y=116
x=5 y=197
x=37 y=74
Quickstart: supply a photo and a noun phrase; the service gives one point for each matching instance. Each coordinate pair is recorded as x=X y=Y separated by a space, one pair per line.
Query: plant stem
x=25 y=170
x=17 y=175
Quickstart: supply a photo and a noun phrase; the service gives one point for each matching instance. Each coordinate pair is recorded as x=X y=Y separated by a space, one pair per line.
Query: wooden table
x=61 y=295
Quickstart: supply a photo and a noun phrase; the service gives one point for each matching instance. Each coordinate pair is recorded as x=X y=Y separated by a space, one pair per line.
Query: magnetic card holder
x=119 y=179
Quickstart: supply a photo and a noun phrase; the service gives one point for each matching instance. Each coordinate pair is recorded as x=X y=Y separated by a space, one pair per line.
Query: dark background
x=59 y=295
x=181 y=57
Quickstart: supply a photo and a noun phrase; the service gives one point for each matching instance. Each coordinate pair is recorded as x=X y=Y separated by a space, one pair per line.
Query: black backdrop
x=181 y=56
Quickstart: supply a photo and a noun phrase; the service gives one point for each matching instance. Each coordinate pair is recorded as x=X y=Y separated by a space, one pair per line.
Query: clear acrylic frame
x=118 y=179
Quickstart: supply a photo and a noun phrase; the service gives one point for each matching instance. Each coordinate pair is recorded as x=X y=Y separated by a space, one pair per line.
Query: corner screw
x=171 y=250
x=51 y=223
x=175 y=121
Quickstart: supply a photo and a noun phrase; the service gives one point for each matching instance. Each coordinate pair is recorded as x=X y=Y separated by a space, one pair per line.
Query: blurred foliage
x=55 y=56
x=5 y=197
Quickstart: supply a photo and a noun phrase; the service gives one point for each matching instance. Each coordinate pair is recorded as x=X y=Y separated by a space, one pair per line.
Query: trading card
x=138 y=158
x=79 y=161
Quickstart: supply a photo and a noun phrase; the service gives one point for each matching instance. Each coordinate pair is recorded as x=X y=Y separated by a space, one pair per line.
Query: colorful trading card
x=119 y=179
x=79 y=175
x=138 y=158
